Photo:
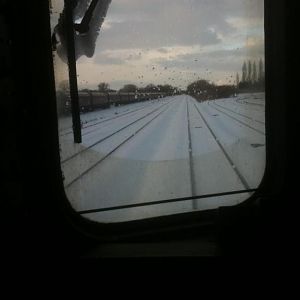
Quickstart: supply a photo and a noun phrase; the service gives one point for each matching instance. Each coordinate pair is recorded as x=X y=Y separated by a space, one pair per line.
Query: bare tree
x=254 y=73
x=261 y=74
x=244 y=77
x=237 y=79
x=103 y=87
x=249 y=76
x=129 y=88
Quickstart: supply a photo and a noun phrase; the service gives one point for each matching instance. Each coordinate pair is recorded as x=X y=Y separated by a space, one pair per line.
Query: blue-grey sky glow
x=174 y=42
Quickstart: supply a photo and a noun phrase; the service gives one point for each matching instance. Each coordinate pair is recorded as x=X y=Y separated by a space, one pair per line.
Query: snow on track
x=240 y=143
x=173 y=148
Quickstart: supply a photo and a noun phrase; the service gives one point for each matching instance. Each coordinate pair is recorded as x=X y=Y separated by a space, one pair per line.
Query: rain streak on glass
x=172 y=105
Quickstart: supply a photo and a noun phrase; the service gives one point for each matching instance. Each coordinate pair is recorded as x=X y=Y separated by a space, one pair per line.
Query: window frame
x=56 y=201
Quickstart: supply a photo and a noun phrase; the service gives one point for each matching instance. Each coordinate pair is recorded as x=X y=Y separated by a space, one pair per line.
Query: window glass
x=172 y=105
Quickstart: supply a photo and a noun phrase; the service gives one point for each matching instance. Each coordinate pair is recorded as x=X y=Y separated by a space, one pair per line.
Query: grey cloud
x=208 y=37
x=161 y=23
x=134 y=56
x=163 y=50
x=210 y=8
x=116 y=84
x=218 y=60
x=104 y=59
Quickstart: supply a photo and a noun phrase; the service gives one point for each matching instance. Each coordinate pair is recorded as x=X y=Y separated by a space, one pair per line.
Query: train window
x=164 y=110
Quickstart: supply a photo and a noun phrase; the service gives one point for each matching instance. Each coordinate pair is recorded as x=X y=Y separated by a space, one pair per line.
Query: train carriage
x=99 y=100
x=91 y=100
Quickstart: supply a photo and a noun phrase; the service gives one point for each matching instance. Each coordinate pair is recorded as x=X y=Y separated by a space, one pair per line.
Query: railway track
x=237 y=120
x=70 y=131
x=249 y=103
x=190 y=115
x=98 y=162
x=113 y=118
x=237 y=113
x=226 y=155
x=112 y=134
x=191 y=160
x=248 y=107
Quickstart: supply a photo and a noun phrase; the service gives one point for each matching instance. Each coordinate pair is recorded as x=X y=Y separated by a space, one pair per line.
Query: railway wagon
x=63 y=103
x=121 y=98
x=127 y=98
x=89 y=101
x=150 y=96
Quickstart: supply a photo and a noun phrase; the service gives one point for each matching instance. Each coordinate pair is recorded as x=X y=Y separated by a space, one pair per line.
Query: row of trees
x=204 y=90
x=253 y=76
x=132 y=88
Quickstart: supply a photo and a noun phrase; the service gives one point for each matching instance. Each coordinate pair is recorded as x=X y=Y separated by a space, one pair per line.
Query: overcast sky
x=174 y=42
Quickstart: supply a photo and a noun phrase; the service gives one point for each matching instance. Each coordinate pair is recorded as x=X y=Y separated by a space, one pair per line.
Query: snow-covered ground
x=164 y=149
